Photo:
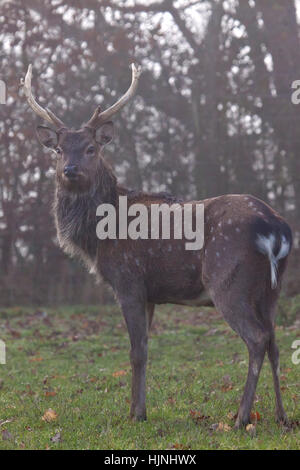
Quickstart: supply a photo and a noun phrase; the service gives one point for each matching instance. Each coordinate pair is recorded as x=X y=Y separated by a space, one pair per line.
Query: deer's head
x=78 y=152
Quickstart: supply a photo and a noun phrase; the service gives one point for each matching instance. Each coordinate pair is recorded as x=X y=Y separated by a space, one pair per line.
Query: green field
x=74 y=361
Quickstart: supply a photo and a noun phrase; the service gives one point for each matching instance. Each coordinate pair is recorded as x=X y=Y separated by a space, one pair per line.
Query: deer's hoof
x=138 y=418
x=241 y=423
x=283 y=420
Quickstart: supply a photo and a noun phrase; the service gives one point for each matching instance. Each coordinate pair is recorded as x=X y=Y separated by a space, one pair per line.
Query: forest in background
x=213 y=115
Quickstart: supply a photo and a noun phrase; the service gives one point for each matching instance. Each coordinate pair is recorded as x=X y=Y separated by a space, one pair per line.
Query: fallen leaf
x=220 y=427
x=28 y=390
x=56 y=438
x=197 y=416
x=226 y=388
x=251 y=429
x=255 y=416
x=211 y=332
x=36 y=359
x=227 y=384
x=15 y=334
x=119 y=373
x=224 y=427
x=49 y=415
x=179 y=446
x=171 y=400
x=49 y=393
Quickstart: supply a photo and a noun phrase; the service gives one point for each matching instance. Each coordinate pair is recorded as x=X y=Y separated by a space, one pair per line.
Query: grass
x=74 y=360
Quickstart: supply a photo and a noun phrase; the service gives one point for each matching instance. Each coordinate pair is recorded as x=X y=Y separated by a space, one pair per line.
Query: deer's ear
x=47 y=137
x=105 y=133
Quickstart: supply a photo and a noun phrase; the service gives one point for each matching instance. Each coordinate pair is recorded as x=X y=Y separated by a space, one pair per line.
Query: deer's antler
x=99 y=117
x=43 y=113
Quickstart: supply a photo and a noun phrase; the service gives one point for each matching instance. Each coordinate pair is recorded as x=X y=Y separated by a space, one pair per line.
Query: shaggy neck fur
x=75 y=213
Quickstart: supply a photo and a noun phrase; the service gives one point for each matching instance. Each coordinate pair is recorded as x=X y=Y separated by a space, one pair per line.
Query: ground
x=66 y=383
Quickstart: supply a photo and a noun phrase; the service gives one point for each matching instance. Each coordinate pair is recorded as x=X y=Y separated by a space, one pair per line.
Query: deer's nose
x=71 y=171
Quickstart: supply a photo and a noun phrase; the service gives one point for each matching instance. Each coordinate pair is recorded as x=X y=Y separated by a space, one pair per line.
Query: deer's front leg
x=136 y=319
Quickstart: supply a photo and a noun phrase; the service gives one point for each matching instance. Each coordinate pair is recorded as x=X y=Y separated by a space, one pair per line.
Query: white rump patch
x=266 y=246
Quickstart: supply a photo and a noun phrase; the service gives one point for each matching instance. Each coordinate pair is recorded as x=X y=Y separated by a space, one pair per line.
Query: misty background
x=212 y=115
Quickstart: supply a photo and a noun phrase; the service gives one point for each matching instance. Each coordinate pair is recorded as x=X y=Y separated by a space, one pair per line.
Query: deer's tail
x=276 y=245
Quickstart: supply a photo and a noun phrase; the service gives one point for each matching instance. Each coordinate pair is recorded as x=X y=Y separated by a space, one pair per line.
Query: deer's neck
x=75 y=216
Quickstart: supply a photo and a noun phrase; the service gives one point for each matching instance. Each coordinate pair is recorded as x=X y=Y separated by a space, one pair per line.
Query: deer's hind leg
x=257 y=340
x=273 y=354
x=244 y=319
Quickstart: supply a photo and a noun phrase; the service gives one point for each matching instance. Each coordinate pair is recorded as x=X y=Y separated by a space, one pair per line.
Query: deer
x=238 y=270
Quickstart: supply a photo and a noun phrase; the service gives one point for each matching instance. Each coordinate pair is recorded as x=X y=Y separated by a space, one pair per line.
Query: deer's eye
x=90 y=150
x=58 y=151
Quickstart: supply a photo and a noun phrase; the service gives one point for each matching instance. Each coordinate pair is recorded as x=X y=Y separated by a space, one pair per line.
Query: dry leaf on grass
x=171 y=400
x=226 y=387
x=251 y=429
x=231 y=415
x=198 y=417
x=49 y=415
x=119 y=373
x=221 y=427
x=36 y=359
x=178 y=446
x=49 y=393
x=255 y=416
x=56 y=437
x=224 y=427
x=227 y=384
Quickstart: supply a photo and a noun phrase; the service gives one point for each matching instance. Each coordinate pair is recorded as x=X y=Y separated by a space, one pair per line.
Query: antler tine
x=99 y=117
x=43 y=113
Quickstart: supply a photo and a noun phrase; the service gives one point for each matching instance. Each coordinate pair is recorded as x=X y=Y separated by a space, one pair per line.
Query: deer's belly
x=184 y=293
x=202 y=300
